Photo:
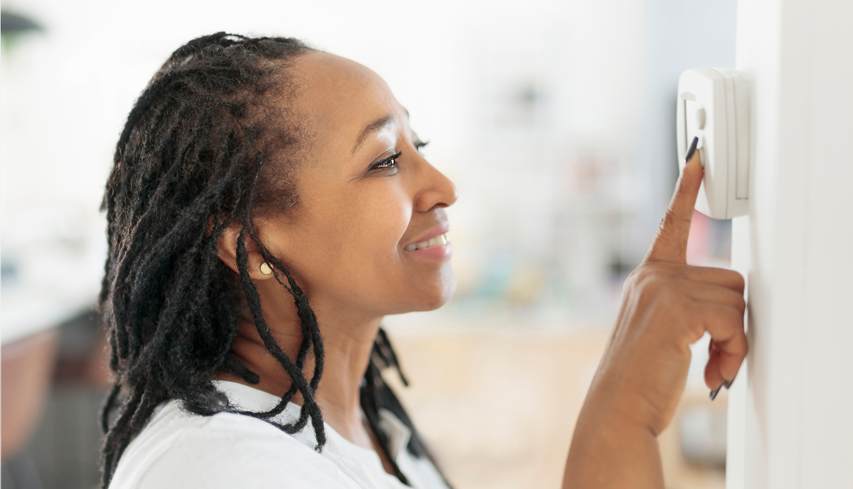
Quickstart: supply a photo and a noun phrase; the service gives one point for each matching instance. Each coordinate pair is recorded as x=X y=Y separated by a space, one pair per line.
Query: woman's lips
x=442 y=228
x=439 y=240
x=436 y=247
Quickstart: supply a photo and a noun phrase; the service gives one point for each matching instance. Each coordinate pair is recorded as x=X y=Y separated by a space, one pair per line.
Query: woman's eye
x=420 y=144
x=390 y=162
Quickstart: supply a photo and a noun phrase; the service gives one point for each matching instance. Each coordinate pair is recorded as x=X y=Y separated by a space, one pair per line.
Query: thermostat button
x=700 y=119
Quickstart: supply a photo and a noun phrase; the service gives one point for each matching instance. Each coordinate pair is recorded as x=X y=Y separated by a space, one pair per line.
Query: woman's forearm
x=609 y=451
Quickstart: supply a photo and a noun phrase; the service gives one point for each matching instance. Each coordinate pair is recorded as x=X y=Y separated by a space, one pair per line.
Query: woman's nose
x=436 y=190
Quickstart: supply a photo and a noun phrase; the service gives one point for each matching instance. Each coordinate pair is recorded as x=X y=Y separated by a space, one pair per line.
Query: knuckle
x=658 y=285
x=634 y=276
x=735 y=318
x=734 y=301
x=737 y=279
x=650 y=288
x=741 y=305
x=731 y=278
x=640 y=277
x=732 y=321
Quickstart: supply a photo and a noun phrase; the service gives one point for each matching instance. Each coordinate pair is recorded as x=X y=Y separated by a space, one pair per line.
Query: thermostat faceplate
x=714 y=105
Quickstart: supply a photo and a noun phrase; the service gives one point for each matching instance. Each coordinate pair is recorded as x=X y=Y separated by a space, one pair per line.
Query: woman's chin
x=440 y=294
x=431 y=295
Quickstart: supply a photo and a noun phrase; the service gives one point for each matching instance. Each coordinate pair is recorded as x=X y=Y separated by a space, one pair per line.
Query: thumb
x=670 y=244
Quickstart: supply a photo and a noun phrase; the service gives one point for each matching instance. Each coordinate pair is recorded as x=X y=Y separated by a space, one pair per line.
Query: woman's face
x=352 y=243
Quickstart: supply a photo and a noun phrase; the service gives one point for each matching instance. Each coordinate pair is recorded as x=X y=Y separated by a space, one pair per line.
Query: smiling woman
x=243 y=155
x=267 y=208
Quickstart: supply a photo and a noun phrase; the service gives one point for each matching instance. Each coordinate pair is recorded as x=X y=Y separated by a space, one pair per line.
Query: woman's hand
x=666 y=306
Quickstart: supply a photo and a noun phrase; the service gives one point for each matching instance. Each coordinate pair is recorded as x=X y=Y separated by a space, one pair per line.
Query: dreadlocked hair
x=207 y=144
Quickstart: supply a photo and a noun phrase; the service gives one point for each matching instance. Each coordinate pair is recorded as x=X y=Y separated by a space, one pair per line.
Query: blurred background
x=556 y=120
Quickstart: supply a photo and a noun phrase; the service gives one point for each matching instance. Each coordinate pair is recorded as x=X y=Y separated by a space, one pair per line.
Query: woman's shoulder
x=179 y=449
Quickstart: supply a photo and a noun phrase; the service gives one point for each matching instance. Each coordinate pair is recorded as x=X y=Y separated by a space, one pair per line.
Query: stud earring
x=266 y=269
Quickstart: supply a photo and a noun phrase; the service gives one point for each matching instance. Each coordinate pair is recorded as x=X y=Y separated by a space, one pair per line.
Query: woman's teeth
x=436 y=241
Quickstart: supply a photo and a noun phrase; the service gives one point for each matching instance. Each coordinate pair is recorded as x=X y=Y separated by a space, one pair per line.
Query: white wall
x=791 y=413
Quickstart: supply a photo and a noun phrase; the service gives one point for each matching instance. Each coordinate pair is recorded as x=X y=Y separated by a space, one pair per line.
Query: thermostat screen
x=690 y=123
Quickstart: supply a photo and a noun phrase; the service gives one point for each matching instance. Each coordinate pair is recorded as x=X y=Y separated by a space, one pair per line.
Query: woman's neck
x=348 y=343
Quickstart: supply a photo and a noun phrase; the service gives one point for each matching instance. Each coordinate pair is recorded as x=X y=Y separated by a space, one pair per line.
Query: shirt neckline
x=249 y=398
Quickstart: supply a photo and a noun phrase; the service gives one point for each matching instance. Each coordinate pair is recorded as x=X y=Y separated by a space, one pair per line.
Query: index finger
x=670 y=244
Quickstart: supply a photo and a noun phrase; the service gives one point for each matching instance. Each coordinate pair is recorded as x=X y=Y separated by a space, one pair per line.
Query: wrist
x=615 y=405
x=611 y=449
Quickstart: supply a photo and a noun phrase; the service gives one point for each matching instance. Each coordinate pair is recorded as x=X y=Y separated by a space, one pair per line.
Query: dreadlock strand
x=385 y=342
x=370 y=407
x=115 y=439
x=310 y=405
x=238 y=368
x=307 y=319
x=106 y=407
x=311 y=336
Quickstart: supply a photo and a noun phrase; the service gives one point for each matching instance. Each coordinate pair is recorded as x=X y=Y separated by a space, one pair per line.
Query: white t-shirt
x=181 y=450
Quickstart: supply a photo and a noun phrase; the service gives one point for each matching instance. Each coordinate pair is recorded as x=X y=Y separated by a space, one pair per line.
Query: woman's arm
x=666 y=306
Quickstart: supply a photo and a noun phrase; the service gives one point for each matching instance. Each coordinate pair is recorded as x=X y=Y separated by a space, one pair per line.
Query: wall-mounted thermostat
x=714 y=105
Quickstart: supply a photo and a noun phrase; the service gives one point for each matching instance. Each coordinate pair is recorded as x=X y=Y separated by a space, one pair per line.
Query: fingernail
x=715 y=392
x=726 y=384
x=692 y=149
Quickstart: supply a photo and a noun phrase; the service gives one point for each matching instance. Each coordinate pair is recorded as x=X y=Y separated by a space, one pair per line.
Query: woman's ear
x=227 y=252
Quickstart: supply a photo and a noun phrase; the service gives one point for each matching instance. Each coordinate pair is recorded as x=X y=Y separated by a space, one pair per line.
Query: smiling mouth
x=436 y=241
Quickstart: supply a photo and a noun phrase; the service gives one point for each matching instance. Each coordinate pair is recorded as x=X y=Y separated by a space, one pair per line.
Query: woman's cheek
x=399 y=222
x=388 y=218
x=367 y=231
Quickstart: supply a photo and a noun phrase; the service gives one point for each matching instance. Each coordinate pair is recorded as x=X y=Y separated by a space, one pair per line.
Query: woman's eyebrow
x=375 y=126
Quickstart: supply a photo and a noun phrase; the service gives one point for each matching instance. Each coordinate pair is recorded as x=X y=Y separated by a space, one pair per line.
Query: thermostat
x=714 y=105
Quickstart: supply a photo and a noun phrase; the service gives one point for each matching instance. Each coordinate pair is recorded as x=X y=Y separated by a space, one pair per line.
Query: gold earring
x=265 y=268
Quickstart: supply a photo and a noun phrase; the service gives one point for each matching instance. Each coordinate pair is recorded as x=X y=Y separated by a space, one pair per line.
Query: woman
x=267 y=208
